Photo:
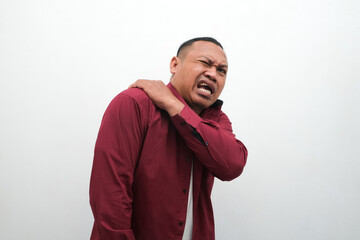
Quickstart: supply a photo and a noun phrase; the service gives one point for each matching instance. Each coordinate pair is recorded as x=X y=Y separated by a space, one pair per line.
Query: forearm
x=109 y=201
x=213 y=143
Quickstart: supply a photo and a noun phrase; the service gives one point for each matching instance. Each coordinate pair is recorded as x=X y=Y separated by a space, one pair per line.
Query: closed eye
x=204 y=62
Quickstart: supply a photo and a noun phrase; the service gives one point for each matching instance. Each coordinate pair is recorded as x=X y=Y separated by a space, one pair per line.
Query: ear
x=174 y=63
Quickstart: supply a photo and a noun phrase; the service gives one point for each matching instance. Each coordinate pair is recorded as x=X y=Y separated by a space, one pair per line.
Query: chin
x=203 y=105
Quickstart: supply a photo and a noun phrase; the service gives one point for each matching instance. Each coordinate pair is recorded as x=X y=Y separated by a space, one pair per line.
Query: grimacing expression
x=199 y=74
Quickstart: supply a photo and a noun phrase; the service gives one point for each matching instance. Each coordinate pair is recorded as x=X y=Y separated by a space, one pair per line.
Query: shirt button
x=183 y=123
x=187 y=160
x=184 y=190
x=181 y=223
x=206 y=143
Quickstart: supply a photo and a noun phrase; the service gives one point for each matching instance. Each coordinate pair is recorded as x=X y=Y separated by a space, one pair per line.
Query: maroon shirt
x=142 y=166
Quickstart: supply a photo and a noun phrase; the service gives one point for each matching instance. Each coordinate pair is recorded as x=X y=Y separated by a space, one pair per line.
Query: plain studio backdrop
x=292 y=94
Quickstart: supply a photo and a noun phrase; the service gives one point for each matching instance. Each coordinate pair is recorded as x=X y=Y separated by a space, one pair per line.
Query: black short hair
x=191 y=41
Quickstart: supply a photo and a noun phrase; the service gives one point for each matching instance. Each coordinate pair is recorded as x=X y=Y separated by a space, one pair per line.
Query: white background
x=292 y=95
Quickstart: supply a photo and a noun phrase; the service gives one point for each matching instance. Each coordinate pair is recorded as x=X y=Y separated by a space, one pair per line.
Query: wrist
x=175 y=107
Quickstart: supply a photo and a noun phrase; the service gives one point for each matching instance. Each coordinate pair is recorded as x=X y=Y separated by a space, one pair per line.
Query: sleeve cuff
x=190 y=117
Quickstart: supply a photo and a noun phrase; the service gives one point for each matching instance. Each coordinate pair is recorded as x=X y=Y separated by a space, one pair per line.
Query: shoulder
x=131 y=96
x=130 y=104
x=136 y=94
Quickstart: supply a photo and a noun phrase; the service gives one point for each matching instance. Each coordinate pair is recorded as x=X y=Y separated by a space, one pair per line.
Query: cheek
x=220 y=89
x=221 y=84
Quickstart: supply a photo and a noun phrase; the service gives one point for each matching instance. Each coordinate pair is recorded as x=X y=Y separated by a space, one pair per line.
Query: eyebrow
x=211 y=61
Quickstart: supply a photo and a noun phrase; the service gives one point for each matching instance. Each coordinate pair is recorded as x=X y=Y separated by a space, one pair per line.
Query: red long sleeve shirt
x=142 y=167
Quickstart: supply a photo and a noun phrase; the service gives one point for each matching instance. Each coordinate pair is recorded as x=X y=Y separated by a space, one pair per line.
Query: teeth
x=205 y=90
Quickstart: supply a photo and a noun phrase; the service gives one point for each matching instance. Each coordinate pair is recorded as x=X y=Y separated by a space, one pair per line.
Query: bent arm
x=116 y=152
x=213 y=143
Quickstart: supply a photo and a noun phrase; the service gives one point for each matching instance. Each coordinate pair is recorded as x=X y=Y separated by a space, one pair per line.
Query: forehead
x=209 y=50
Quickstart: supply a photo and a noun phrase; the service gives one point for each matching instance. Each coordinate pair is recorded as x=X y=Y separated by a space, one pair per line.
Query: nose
x=211 y=73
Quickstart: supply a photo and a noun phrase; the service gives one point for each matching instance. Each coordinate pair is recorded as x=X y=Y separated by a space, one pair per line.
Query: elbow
x=231 y=173
x=236 y=167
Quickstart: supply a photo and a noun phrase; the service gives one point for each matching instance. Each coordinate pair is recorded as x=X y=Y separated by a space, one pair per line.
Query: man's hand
x=160 y=94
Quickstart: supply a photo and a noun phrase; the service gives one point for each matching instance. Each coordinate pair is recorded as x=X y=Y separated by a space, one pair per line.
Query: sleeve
x=213 y=143
x=116 y=152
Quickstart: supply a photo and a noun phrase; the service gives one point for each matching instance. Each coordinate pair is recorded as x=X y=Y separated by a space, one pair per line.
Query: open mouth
x=205 y=88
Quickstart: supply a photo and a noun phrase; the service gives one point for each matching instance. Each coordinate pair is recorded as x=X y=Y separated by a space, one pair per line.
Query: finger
x=136 y=84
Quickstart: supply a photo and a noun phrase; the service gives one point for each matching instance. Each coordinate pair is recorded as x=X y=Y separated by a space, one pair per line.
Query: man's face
x=199 y=74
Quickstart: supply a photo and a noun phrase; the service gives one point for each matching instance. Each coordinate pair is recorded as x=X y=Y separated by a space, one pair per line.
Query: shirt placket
x=186 y=166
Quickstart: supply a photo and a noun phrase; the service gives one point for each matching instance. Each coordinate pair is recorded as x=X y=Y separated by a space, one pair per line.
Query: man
x=159 y=148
